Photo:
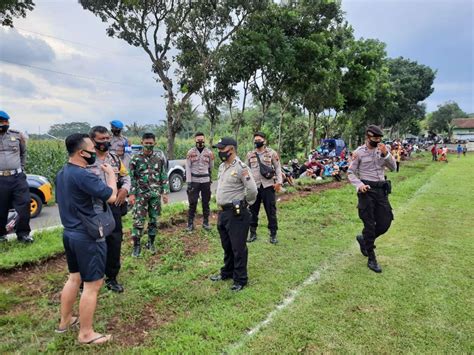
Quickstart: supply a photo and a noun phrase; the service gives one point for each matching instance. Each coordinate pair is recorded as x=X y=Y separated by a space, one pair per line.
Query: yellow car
x=41 y=193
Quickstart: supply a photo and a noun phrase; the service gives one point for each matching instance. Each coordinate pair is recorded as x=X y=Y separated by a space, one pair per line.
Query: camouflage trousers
x=147 y=204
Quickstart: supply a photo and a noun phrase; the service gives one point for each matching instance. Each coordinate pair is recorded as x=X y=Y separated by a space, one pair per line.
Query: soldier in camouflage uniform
x=14 y=190
x=100 y=136
x=148 y=172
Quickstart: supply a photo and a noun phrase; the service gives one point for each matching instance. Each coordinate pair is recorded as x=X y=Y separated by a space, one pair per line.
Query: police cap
x=224 y=142
x=375 y=131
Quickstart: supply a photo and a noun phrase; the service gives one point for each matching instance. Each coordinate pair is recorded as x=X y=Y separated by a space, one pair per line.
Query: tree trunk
x=306 y=150
x=212 y=129
x=170 y=127
x=313 y=138
x=282 y=114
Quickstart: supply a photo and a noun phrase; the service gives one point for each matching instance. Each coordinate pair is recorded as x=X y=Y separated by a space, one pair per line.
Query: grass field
x=314 y=283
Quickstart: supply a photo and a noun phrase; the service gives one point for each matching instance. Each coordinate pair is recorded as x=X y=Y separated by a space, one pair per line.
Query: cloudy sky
x=107 y=79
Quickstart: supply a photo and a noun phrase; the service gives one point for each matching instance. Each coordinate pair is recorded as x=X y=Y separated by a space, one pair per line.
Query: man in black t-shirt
x=77 y=193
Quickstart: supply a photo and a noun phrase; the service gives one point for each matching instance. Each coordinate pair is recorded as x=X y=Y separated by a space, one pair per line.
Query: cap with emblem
x=224 y=142
x=374 y=131
x=4 y=116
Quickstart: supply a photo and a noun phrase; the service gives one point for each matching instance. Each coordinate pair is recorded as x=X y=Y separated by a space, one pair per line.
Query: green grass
x=420 y=303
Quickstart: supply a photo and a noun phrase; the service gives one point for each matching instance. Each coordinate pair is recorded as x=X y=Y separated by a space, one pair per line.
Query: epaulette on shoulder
x=242 y=164
x=14 y=131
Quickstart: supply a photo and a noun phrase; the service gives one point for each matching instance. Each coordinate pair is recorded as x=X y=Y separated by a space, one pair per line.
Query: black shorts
x=86 y=256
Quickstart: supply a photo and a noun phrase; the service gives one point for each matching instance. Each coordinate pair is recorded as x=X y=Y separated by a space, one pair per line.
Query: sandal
x=94 y=340
x=75 y=322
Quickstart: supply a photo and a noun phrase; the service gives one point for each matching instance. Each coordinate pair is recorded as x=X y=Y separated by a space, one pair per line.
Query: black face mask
x=373 y=144
x=90 y=160
x=102 y=146
x=116 y=132
x=4 y=128
x=258 y=144
x=224 y=156
x=200 y=145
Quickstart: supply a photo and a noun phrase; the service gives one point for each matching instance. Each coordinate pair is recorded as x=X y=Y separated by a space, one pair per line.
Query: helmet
x=4 y=115
x=116 y=124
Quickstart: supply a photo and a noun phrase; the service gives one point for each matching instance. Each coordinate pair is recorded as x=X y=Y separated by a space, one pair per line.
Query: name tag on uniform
x=13 y=139
x=233 y=173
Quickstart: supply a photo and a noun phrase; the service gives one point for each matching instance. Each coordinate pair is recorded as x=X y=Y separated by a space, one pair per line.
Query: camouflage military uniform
x=149 y=181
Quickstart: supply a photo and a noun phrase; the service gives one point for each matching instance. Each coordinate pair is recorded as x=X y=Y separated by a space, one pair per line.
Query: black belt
x=199 y=175
x=230 y=206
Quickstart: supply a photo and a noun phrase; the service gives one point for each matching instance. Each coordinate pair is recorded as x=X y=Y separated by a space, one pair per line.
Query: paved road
x=50 y=215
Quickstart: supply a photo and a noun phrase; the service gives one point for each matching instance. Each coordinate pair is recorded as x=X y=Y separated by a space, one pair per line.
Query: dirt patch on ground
x=25 y=272
x=129 y=334
x=308 y=190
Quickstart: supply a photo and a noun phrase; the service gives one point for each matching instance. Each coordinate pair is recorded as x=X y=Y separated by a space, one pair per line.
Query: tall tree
x=10 y=9
x=196 y=29
x=441 y=118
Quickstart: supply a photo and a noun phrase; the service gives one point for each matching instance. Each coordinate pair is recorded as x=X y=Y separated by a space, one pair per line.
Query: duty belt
x=10 y=172
x=230 y=206
x=199 y=175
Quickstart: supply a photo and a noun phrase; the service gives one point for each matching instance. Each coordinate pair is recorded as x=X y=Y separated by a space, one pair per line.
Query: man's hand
x=277 y=187
x=121 y=196
x=131 y=200
x=364 y=188
x=189 y=187
x=165 y=199
x=107 y=169
x=383 y=149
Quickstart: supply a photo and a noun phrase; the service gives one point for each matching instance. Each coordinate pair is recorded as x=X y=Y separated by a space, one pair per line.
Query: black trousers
x=233 y=231
x=193 y=197
x=15 y=193
x=376 y=213
x=267 y=196
x=114 y=245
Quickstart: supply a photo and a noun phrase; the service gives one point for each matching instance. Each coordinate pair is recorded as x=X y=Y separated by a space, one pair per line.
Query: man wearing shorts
x=77 y=192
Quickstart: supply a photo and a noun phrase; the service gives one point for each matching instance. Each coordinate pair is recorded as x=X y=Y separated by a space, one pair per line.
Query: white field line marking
x=316 y=276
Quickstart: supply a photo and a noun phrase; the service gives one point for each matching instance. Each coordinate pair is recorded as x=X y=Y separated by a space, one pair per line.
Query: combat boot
x=190 y=226
x=361 y=241
x=253 y=235
x=273 y=237
x=372 y=262
x=150 y=245
x=136 y=248
x=205 y=224
x=27 y=239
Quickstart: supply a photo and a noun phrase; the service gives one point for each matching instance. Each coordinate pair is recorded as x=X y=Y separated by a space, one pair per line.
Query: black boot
x=136 y=247
x=190 y=226
x=253 y=235
x=205 y=223
x=150 y=245
x=361 y=241
x=372 y=262
x=273 y=237
x=113 y=285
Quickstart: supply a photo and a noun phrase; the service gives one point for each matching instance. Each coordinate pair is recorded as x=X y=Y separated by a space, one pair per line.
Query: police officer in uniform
x=264 y=160
x=199 y=162
x=101 y=138
x=236 y=190
x=367 y=173
x=14 y=190
x=118 y=140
